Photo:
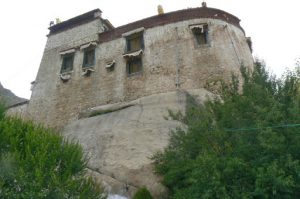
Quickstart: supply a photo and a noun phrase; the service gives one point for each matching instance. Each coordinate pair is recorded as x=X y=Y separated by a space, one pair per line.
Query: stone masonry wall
x=167 y=48
x=46 y=101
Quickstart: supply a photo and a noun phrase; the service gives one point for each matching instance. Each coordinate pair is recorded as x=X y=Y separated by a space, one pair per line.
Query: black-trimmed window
x=67 y=63
x=134 y=42
x=134 y=65
x=200 y=33
x=88 y=58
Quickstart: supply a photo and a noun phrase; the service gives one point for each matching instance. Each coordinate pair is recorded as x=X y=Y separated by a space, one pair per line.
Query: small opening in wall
x=200 y=33
x=89 y=58
x=67 y=63
x=134 y=65
x=110 y=65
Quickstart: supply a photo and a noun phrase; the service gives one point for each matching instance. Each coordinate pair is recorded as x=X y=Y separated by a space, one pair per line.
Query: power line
x=260 y=128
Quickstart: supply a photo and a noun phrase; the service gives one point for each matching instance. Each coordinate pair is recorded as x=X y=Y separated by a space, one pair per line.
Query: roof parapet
x=171 y=17
x=81 y=19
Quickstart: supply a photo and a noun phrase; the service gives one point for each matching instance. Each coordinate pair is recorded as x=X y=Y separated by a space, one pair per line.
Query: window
x=200 y=33
x=67 y=63
x=134 y=65
x=134 y=42
x=134 y=51
x=89 y=58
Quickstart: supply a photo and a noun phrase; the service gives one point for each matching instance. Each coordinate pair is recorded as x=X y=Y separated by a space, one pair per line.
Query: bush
x=36 y=162
x=245 y=146
x=142 y=193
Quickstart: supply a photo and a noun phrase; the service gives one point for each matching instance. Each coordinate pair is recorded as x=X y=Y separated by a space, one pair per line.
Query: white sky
x=273 y=26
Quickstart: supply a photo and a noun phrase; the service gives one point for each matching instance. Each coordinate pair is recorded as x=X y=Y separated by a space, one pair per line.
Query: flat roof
x=171 y=17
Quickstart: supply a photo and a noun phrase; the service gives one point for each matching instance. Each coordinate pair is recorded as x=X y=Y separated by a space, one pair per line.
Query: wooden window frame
x=132 y=37
x=134 y=60
x=64 y=68
x=85 y=63
x=201 y=34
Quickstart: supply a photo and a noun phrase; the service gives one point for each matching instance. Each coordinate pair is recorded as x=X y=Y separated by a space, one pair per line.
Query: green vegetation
x=37 y=163
x=142 y=193
x=245 y=146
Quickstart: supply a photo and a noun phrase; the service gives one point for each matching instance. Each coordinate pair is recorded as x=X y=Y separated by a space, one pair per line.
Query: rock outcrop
x=122 y=138
x=9 y=98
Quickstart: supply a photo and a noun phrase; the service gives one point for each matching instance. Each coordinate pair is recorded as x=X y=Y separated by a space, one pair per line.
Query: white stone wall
x=75 y=36
x=167 y=48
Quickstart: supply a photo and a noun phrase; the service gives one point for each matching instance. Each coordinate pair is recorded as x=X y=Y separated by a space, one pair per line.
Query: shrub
x=245 y=146
x=142 y=193
x=36 y=162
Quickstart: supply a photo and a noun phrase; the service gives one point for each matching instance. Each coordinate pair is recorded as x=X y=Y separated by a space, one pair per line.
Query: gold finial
x=58 y=20
x=160 y=10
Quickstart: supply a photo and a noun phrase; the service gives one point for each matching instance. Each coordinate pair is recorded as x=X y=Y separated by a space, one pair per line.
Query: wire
x=259 y=128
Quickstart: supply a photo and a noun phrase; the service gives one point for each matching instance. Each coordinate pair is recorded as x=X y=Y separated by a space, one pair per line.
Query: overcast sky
x=273 y=26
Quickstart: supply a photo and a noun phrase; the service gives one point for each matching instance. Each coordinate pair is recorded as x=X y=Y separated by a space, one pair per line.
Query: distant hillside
x=9 y=97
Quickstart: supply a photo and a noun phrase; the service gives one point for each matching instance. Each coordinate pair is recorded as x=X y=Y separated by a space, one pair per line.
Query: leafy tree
x=246 y=145
x=38 y=163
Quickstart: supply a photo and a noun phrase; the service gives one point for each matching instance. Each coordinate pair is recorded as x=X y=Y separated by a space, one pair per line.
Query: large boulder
x=120 y=139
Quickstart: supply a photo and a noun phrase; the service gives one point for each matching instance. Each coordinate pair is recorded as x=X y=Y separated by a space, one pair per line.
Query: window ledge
x=203 y=46
x=133 y=54
x=65 y=76
x=90 y=44
x=110 y=64
x=136 y=74
x=86 y=71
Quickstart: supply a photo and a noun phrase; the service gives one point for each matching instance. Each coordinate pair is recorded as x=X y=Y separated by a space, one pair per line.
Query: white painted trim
x=133 y=54
x=88 y=45
x=110 y=64
x=199 y=26
x=126 y=34
x=67 y=52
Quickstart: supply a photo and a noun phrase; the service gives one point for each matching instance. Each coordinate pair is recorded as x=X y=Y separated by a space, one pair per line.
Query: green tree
x=36 y=162
x=246 y=145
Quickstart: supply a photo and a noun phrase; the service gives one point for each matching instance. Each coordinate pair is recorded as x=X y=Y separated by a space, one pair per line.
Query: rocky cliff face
x=121 y=138
x=9 y=97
